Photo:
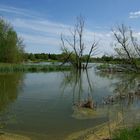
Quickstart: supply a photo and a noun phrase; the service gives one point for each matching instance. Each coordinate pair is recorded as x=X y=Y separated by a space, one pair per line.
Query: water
x=43 y=106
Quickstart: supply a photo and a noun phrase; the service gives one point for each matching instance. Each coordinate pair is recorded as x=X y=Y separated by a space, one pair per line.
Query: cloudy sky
x=40 y=22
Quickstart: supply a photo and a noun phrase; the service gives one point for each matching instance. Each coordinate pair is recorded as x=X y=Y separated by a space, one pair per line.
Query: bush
x=127 y=134
x=11 y=46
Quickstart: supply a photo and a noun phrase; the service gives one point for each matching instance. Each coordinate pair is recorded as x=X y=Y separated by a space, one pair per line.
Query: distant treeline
x=43 y=57
x=48 y=57
x=36 y=57
x=112 y=59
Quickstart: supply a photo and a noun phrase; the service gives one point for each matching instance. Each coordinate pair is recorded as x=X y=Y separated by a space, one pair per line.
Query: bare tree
x=127 y=46
x=74 y=47
x=135 y=43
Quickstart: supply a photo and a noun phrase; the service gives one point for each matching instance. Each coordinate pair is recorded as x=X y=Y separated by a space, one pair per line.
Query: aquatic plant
x=30 y=68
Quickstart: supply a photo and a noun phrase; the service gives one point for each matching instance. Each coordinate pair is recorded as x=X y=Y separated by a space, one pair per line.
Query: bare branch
x=134 y=43
x=93 y=47
x=124 y=38
x=77 y=44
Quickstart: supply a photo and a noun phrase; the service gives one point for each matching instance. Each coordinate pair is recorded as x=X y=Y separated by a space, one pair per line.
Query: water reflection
x=81 y=86
x=125 y=93
x=9 y=86
x=40 y=108
x=124 y=86
x=126 y=89
x=124 y=100
x=119 y=105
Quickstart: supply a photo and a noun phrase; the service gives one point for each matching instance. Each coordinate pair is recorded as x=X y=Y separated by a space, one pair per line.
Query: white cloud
x=43 y=26
x=134 y=14
x=40 y=40
x=48 y=33
x=17 y=11
x=39 y=32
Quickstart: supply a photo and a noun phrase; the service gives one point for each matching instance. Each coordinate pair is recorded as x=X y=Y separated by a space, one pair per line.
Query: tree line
x=126 y=46
x=37 y=57
x=48 y=57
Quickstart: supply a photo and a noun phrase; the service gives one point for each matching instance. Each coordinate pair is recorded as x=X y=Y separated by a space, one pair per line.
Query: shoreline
x=7 y=68
x=12 y=136
x=100 y=132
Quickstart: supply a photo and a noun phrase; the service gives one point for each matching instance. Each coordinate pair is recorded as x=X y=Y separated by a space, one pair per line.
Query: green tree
x=11 y=46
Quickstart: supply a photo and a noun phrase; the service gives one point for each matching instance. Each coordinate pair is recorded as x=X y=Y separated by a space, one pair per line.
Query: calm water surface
x=43 y=105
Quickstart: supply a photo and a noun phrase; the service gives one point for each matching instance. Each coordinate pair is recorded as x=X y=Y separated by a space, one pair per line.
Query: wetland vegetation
x=68 y=96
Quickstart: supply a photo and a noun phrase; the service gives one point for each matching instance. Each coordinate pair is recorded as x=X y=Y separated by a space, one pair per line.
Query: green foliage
x=107 y=58
x=103 y=66
x=42 y=56
x=30 y=68
x=11 y=46
x=127 y=134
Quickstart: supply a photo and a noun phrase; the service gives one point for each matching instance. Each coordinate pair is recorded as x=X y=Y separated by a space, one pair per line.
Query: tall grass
x=31 y=68
x=127 y=134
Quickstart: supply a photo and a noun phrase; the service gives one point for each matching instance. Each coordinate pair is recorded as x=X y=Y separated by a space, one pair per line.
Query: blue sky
x=40 y=22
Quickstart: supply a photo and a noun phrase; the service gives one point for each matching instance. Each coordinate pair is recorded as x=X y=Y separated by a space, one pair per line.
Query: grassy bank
x=31 y=68
x=127 y=134
x=10 y=136
x=117 y=68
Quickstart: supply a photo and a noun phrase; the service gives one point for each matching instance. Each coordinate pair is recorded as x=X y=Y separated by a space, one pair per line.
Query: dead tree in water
x=127 y=45
x=73 y=48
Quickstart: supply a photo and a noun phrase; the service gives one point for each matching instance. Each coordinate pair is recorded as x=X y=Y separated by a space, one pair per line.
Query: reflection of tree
x=81 y=87
x=105 y=75
x=127 y=87
x=9 y=86
x=10 y=83
x=123 y=101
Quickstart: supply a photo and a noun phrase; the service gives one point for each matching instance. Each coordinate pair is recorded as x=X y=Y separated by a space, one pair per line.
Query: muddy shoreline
x=11 y=136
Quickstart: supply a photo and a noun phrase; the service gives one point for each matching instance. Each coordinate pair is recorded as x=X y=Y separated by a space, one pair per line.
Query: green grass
x=127 y=134
x=103 y=66
x=31 y=68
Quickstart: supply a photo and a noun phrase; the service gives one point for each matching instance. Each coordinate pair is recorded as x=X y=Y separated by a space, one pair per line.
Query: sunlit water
x=41 y=105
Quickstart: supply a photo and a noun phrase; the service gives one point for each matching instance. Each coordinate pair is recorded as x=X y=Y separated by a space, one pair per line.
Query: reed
x=31 y=68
